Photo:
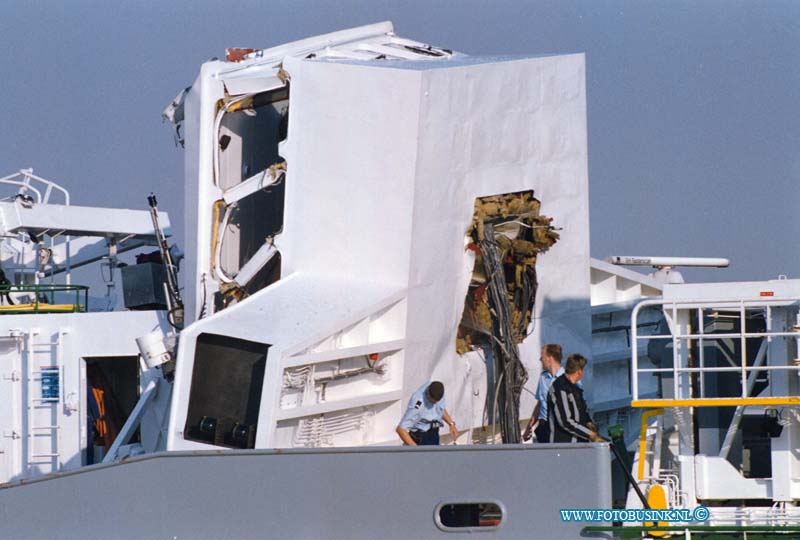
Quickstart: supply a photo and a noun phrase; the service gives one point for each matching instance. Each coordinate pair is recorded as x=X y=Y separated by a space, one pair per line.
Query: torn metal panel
x=174 y=114
x=507 y=234
x=260 y=259
x=237 y=86
x=237 y=54
x=268 y=177
x=231 y=91
x=304 y=47
x=518 y=234
x=247 y=226
x=248 y=130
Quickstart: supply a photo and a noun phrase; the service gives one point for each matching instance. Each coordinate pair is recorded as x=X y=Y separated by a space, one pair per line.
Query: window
x=469 y=516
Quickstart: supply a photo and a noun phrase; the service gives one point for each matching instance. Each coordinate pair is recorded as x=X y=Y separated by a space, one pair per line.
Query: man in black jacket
x=568 y=415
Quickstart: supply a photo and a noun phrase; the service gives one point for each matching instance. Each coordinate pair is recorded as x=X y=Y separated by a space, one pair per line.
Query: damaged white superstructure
x=335 y=191
x=330 y=184
x=365 y=213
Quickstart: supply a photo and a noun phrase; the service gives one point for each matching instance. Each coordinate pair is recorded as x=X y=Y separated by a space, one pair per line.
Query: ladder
x=43 y=395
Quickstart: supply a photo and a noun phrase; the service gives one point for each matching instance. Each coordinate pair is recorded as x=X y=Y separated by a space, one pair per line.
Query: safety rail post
x=701 y=351
x=643 y=440
x=635 y=353
x=769 y=323
x=743 y=356
x=675 y=353
x=634 y=358
x=635 y=337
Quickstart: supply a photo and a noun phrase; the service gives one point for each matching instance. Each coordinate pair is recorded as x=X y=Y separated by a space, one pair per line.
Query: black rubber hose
x=630 y=477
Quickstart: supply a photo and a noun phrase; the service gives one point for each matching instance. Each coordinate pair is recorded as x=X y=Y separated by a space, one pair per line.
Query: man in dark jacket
x=567 y=411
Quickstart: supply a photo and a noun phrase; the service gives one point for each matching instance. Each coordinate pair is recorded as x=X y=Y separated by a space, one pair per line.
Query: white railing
x=742 y=307
x=24 y=181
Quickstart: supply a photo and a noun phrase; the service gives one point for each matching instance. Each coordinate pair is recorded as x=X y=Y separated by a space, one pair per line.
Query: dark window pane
x=470 y=515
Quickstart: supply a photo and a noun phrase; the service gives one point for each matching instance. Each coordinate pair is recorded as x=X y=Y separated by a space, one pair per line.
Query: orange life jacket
x=100 y=424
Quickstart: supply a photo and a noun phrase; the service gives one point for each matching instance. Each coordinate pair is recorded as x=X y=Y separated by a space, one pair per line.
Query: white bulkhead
x=44 y=384
x=362 y=210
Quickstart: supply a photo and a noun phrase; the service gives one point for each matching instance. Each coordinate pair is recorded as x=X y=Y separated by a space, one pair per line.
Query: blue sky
x=694 y=123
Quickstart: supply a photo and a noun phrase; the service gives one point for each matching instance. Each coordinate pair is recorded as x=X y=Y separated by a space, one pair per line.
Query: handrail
x=786 y=401
x=41 y=303
x=742 y=306
x=25 y=185
x=643 y=439
x=28 y=173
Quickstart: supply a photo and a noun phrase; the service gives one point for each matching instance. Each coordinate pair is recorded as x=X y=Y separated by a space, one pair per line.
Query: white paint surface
x=384 y=163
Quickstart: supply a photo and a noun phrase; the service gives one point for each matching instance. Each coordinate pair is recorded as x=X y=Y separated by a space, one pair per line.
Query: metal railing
x=43 y=298
x=740 y=310
x=32 y=189
x=23 y=181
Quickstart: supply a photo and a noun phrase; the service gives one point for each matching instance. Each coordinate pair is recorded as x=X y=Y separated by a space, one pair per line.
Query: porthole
x=468 y=516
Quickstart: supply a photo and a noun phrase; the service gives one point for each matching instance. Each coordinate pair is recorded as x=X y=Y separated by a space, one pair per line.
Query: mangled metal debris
x=507 y=234
x=519 y=233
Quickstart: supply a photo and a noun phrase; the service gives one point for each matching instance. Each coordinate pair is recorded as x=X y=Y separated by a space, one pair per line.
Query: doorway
x=112 y=390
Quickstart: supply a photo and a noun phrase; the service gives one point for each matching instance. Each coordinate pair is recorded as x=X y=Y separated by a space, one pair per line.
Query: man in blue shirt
x=424 y=415
x=551 y=370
